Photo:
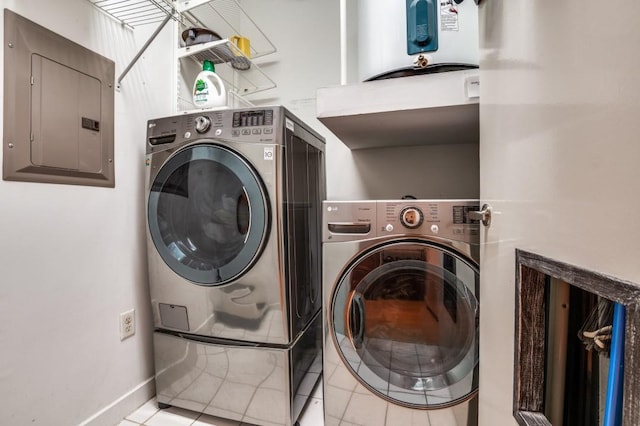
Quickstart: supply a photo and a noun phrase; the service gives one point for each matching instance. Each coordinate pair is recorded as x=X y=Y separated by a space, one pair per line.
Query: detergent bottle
x=208 y=89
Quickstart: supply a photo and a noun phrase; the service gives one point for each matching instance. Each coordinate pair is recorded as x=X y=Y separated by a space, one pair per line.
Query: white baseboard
x=113 y=413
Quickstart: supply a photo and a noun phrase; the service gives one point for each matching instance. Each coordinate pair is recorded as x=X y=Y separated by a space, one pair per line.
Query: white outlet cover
x=127 y=324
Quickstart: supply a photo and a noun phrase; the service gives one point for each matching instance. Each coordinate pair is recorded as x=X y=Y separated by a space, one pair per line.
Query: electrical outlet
x=127 y=324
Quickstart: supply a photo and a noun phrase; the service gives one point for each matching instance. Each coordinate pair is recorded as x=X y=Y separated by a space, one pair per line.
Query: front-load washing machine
x=400 y=292
x=234 y=254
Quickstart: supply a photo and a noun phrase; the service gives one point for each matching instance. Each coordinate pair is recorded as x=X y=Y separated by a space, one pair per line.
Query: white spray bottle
x=208 y=89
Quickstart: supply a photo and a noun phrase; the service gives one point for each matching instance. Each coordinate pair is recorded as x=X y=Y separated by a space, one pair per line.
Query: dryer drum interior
x=207 y=214
x=404 y=320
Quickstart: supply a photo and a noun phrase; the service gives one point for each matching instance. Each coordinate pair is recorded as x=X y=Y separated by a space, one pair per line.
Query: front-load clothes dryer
x=400 y=291
x=234 y=255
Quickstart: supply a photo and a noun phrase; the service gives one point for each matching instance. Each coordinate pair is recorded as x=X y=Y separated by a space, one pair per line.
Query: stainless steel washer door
x=404 y=317
x=208 y=214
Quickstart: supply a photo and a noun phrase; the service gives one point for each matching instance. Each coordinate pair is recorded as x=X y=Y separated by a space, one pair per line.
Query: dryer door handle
x=356 y=321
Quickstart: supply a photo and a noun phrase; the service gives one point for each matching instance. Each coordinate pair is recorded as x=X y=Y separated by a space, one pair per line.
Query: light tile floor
x=150 y=415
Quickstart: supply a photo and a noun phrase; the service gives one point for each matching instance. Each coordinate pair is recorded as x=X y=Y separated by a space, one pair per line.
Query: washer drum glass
x=207 y=214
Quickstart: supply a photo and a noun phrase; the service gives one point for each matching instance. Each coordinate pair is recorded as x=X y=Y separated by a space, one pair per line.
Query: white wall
x=435 y=171
x=559 y=157
x=73 y=257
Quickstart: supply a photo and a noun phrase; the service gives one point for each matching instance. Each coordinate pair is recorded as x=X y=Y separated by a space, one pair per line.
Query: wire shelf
x=134 y=13
x=239 y=73
x=218 y=52
x=237 y=68
x=227 y=17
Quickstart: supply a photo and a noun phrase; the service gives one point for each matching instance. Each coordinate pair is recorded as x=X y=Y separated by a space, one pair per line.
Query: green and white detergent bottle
x=208 y=89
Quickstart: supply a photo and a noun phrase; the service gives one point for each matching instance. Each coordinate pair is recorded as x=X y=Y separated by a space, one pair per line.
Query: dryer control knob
x=411 y=217
x=202 y=124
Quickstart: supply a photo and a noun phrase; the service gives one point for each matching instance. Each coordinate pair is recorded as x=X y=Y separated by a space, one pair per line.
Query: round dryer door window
x=404 y=317
x=207 y=214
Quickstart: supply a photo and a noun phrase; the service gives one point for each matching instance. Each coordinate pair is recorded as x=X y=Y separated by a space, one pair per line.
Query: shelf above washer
x=218 y=52
x=226 y=18
x=239 y=73
x=429 y=109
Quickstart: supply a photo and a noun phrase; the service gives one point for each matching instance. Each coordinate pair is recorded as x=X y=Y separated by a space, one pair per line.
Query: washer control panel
x=258 y=117
x=260 y=125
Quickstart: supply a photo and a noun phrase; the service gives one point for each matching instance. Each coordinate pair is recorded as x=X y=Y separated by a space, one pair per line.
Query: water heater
x=392 y=34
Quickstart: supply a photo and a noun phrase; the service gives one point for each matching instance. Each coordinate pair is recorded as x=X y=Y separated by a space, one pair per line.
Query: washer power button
x=435 y=229
x=389 y=227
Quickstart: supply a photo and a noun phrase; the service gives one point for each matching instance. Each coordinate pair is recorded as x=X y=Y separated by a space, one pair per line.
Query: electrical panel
x=58 y=108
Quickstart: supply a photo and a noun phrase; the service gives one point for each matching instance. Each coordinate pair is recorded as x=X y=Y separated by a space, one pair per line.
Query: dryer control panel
x=357 y=220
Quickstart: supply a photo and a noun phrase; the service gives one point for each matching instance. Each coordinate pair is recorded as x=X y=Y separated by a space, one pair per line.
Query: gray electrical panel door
x=65 y=117
x=58 y=108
